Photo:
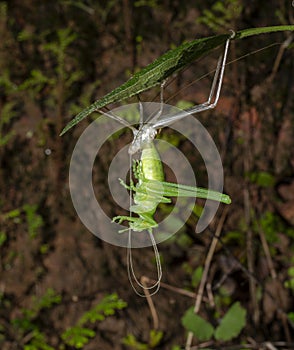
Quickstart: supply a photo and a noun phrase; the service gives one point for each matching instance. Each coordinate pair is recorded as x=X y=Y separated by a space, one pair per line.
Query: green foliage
x=232 y=323
x=7 y=114
x=27 y=323
x=291 y=316
x=235 y=237
x=183 y=104
x=133 y=343
x=262 y=179
x=38 y=304
x=196 y=276
x=7 y=110
x=154 y=340
x=106 y=307
x=271 y=224
x=85 y=97
x=36 y=82
x=290 y=282
x=149 y=3
x=202 y=329
x=222 y=298
x=33 y=219
x=12 y=214
x=230 y=326
x=3 y=238
x=197 y=210
x=78 y=335
x=221 y=15
x=7 y=87
x=37 y=342
x=171 y=139
x=62 y=77
x=58 y=48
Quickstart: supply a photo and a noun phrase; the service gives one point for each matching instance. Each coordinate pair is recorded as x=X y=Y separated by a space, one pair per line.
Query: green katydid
x=151 y=189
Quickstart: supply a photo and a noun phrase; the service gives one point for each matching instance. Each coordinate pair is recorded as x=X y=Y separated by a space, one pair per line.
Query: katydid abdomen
x=151 y=163
x=148 y=168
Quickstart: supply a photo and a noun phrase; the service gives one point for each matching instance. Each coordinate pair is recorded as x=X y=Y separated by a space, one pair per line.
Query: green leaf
x=77 y=336
x=221 y=15
x=202 y=329
x=12 y=214
x=196 y=276
x=132 y=342
x=106 y=307
x=262 y=30
x=153 y=74
x=262 y=178
x=34 y=220
x=232 y=323
x=164 y=66
x=38 y=342
x=155 y=338
x=291 y=316
x=3 y=237
x=46 y=301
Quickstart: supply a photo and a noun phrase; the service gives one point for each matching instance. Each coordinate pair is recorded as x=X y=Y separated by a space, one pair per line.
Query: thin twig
x=151 y=305
x=173 y=289
x=277 y=63
x=270 y=346
x=274 y=276
x=208 y=260
x=250 y=257
x=252 y=345
x=210 y=294
x=266 y=250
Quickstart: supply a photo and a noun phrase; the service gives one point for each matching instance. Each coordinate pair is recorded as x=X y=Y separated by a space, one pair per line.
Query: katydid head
x=142 y=137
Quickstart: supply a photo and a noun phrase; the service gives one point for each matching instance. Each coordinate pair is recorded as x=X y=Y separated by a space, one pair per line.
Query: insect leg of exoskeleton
x=141 y=110
x=154 y=118
x=213 y=95
x=131 y=271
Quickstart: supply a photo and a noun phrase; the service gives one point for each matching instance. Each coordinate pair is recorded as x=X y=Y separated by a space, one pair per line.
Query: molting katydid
x=151 y=189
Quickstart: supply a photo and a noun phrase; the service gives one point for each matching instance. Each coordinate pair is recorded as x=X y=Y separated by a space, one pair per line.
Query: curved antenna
x=118 y=119
x=131 y=271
